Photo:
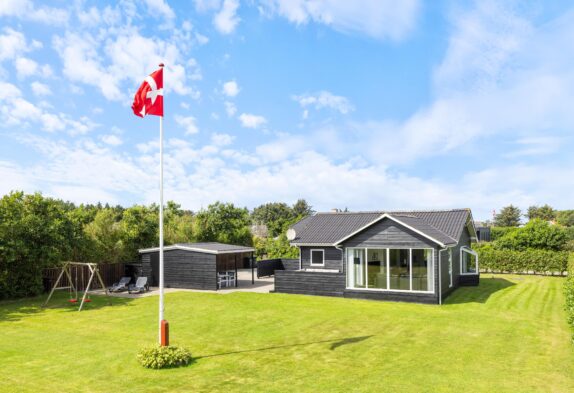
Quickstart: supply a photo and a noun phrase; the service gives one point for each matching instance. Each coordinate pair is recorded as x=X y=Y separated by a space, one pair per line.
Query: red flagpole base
x=164 y=341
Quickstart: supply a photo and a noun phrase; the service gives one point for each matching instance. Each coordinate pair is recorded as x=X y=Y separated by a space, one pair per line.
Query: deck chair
x=140 y=286
x=121 y=285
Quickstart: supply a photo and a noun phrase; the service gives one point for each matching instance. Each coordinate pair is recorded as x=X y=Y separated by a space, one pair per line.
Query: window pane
x=377 y=268
x=468 y=262
x=317 y=257
x=422 y=270
x=356 y=268
x=399 y=269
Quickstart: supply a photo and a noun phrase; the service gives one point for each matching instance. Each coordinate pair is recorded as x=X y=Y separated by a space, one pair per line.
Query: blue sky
x=368 y=105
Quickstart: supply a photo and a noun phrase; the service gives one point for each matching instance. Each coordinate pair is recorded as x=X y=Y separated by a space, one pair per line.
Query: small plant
x=157 y=357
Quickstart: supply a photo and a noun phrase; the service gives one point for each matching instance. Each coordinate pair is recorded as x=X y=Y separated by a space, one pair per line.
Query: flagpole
x=163 y=326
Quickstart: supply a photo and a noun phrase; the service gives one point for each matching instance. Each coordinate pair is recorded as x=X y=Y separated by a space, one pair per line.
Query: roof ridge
x=397 y=211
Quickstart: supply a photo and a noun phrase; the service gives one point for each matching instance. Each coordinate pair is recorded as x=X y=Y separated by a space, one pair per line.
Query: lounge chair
x=140 y=286
x=121 y=285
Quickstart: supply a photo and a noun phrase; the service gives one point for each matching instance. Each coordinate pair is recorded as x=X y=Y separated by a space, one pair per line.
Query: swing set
x=70 y=270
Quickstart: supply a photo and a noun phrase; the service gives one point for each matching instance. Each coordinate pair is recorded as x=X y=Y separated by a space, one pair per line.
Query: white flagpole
x=161 y=306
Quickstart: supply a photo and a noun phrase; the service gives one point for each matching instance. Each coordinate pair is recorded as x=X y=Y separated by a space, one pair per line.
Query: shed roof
x=442 y=226
x=204 y=247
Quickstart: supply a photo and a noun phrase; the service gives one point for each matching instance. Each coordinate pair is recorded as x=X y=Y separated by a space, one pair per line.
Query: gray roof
x=205 y=247
x=444 y=226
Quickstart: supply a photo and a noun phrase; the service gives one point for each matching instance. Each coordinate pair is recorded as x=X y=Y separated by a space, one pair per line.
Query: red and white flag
x=149 y=97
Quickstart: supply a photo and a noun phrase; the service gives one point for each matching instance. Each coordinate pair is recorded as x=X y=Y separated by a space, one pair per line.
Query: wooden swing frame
x=66 y=269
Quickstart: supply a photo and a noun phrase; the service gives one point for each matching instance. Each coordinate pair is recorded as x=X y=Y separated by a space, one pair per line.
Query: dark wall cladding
x=309 y=283
x=388 y=233
x=182 y=269
x=333 y=258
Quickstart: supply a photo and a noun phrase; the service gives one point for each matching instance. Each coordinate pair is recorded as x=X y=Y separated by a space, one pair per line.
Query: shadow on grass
x=479 y=294
x=335 y=343
x=15 y=310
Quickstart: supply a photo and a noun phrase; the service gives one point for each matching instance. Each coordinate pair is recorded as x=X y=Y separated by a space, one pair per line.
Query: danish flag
x=149 y=97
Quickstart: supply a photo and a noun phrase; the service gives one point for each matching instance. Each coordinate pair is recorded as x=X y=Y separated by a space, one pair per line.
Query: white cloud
x=188 y=123
x=231 y=88
x=324 y=99
x=230 y=108
x=226 y=20
x=207 y=5
x=107 y=64
x=251 y=121
x=160 y=7
x=24 y=9
x=12 y=44
x=381 y=19
x=111 y=139
x=222 y=139
x=8 y=91
x=26 y=67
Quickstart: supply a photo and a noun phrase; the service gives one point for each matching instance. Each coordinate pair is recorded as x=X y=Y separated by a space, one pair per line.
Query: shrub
x=529 y=261
x=536 y=234
x=498 y=232
x=157 y=357
x=569 y=291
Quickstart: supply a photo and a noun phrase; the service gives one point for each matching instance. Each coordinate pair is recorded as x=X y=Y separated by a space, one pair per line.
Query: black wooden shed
x=195 y=265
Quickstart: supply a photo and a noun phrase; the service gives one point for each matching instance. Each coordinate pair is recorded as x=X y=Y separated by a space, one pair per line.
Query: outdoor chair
x=140 y=286
x=121 y=285
x=231 y=278
x=222 y=280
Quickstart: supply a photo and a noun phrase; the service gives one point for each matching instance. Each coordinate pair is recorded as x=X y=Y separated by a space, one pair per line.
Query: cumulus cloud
x=160 y=8
x=251 y=121
x=112 y=140
x=380 y=19
x=25 y=10
x=226 y=20
x=231 y=88
x=325 y=99
x=188 y=123
x=230 y=108
x=12 y=44
x=222 y=139
x=40 y=89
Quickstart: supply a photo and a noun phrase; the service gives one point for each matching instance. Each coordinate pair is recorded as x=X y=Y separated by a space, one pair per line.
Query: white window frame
x=470 y=251
x=387 y=249
x=311 y=257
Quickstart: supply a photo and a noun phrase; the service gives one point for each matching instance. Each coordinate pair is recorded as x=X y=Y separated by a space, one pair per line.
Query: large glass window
x=377 y=268
x=356 y=268
x=399 y=269
x=390 y=269
x=469 y=261
x=422 y=269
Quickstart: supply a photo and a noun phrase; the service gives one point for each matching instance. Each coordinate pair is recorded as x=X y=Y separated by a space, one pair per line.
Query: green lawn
x=507 y=335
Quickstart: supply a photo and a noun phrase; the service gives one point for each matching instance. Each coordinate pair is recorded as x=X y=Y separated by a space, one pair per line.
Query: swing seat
x=73 y=300
x=88 y=301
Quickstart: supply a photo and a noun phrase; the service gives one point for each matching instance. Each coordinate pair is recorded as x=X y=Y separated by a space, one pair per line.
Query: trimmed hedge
x=158 y=357
x=531 y=261
x=569 y=292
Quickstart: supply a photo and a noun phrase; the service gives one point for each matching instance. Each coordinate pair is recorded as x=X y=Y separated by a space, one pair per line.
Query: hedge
x=569 y=291
x=531 y=261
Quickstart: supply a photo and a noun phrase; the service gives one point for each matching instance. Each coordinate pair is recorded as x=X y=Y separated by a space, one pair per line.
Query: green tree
x=537 y=234
x=565 y=217
x=35 y=233
x=276 y=216
x=139 y=228
x=106 y=234
x=509 y=216
x=223 y=222
x=302 y=209
x=546 y=213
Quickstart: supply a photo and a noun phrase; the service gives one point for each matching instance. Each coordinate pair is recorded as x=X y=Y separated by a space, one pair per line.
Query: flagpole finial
x=161 y=65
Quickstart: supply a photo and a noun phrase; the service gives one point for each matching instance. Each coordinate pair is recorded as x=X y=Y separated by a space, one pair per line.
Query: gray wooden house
x=194 y=265
x=416 y=256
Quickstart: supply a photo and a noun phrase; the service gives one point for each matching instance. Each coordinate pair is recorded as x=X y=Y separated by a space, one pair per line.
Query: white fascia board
x=202 y=250
x=385 y=215
x=311 y=244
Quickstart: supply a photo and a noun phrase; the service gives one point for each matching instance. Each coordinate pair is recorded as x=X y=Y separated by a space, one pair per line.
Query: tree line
x=37 y=232
x=511 y=216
